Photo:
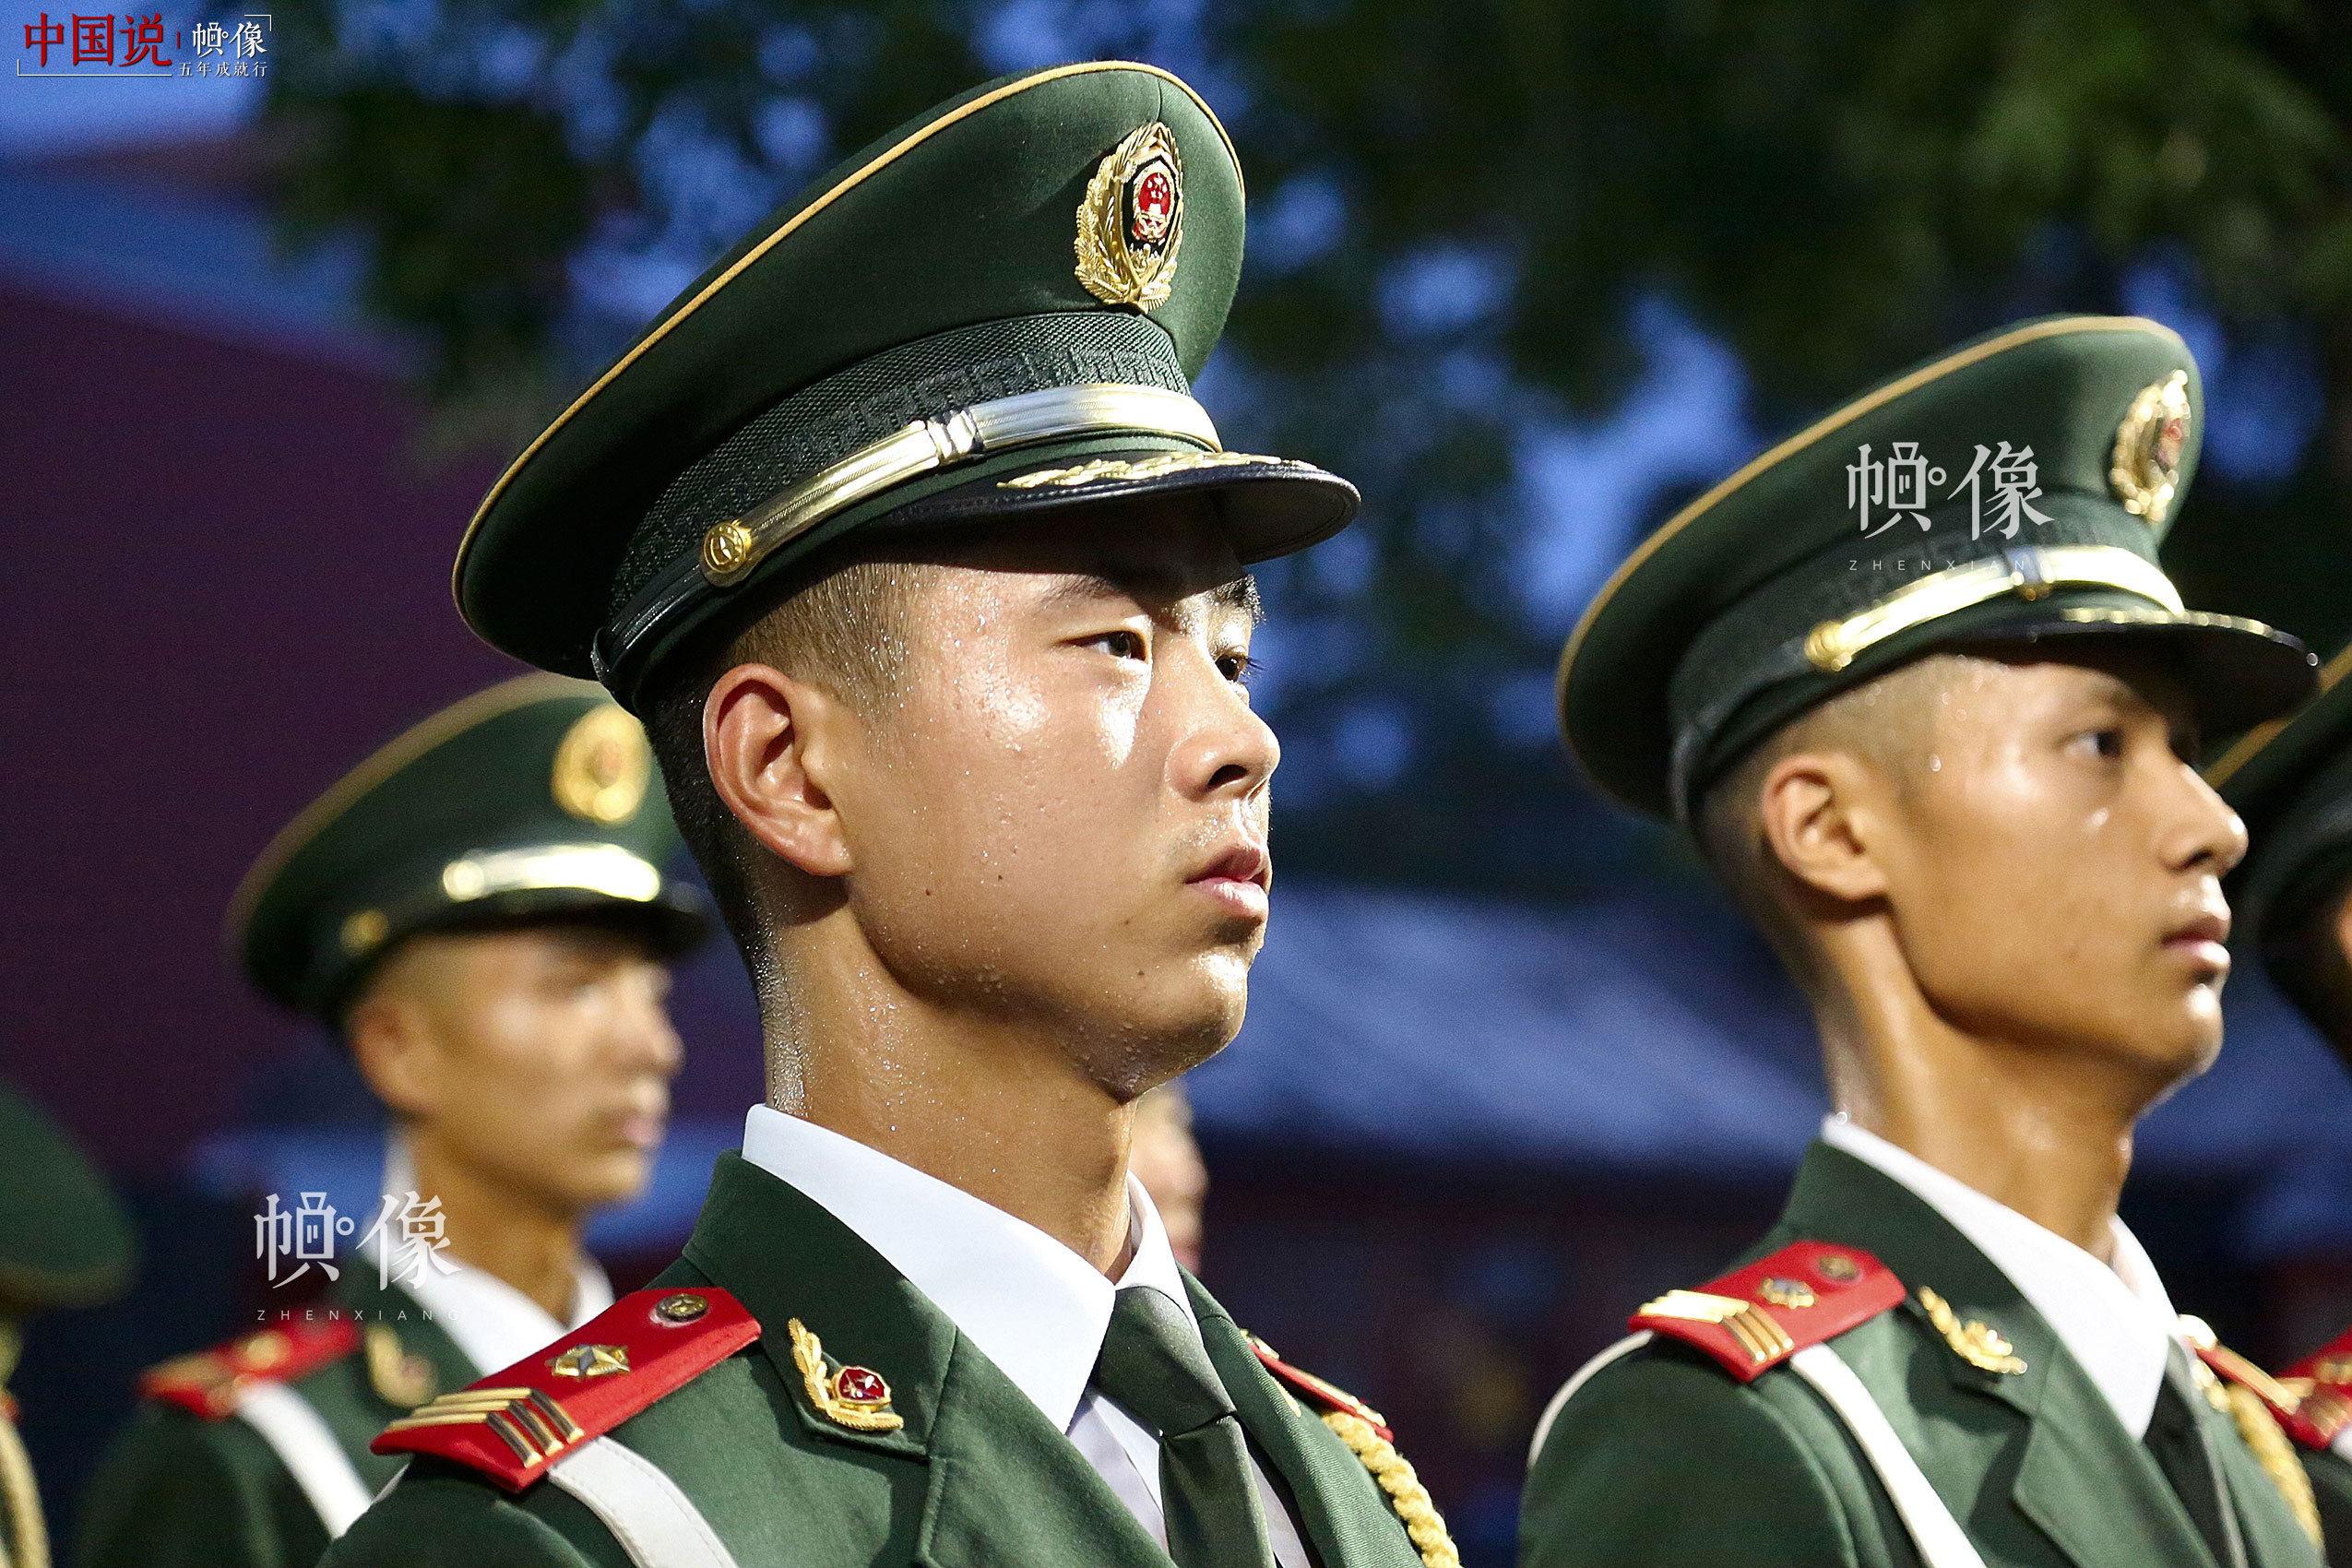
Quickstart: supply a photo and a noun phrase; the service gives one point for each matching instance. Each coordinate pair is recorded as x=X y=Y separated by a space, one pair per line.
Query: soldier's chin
x=614 y=1177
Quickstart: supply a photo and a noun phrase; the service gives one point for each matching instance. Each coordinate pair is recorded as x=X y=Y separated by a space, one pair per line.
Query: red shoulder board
x=1759 y=1316
x=1327 y=1395
x=513 y=1423
x=210 y=1382
x=2312 y=1399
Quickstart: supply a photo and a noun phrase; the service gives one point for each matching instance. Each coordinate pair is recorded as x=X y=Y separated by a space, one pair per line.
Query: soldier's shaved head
x=1887 y=723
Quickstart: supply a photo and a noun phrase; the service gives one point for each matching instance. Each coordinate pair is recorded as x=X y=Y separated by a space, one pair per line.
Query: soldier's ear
x=391 y=1038
x=775 y=747
x=1822 y=815
x=393 y=1045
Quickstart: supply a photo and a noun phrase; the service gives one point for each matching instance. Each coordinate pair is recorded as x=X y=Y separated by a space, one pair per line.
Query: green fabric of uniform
x=176 y=1490
x=1151 y=1369
x=2331 y=1489
x=1663 y=1458
x=977 y=1477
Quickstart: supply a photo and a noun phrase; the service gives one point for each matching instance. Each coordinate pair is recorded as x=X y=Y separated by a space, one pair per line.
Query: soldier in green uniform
x=1915 y=682
x=2292 y=783
x=902 y=530
x=481 y=912
x=64 y=1241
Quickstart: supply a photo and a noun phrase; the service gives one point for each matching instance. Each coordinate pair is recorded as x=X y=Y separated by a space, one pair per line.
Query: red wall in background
x=223 y=579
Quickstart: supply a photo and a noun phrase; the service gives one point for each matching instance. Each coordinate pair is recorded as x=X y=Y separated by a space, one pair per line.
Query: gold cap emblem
x=603 y=767
x=2149 y=444
x=1132 y=224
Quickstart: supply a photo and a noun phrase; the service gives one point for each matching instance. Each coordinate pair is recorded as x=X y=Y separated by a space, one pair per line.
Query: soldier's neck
x=492 y=1226
x=2044 y=1131
x=993 y=1106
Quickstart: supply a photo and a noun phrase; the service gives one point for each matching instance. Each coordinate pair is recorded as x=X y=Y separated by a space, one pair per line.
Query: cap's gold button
x=727 y=548
x=363 y=931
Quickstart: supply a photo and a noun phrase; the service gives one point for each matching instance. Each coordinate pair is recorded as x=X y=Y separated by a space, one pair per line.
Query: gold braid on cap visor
x=732 y=548
x=589 y=868
x=2030 y=573
x=2033 y=572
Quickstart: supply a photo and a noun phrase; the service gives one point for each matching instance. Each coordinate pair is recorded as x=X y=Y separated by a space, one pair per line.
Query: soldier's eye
x=1122 y=644
x=1237 y=668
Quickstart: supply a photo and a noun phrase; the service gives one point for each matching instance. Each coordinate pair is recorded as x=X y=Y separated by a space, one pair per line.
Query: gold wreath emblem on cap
x=603 y=767
x=2148 y=448
x=1132 y=224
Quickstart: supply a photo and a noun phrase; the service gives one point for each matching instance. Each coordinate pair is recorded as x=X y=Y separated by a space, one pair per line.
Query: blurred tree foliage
x=1464 y=215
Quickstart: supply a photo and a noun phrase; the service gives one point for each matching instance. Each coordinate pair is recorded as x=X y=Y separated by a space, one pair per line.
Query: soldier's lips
x=1239 y=879
x=2201 y=942
x=641 y=1133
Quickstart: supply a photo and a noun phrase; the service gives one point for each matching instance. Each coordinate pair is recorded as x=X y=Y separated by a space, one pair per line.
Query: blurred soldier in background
x=479 y=911
x=64 y=1242
x=1165 y=1160
x=1916 y=684
x=2293 y=785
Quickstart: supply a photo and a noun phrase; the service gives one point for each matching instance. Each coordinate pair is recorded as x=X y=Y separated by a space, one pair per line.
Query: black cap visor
x=1267 y=507
x=2236 y=672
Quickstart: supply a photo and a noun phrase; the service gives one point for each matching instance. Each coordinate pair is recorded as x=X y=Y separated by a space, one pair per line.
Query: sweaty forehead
x=2130 y=677
x=1158 y=587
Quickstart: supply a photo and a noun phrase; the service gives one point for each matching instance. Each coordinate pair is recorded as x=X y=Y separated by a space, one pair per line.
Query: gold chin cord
x=28 y=1535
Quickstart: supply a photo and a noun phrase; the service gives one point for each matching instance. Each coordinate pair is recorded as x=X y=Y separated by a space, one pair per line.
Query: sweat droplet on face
x=1935 y=763
x=2097 y=820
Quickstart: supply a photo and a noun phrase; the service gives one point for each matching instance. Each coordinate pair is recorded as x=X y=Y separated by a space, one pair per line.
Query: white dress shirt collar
x=2115 y=1320
x=1035 y=1308
x=494 y=1323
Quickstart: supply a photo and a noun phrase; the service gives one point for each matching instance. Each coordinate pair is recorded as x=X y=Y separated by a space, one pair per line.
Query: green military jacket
x=1664 y=1459
x=178 y=1489
x=975 y=1477
x=2331 y=1489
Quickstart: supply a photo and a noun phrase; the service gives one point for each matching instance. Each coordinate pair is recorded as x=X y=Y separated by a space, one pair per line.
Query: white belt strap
x=1624 y=1346
x=1934 y=1531
x=643 y=1509
x=1937 y=1535
x=307 y=1446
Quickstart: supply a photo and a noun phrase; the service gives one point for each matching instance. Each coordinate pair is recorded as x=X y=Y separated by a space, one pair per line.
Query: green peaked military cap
x=2014 y=490
x=2291 y=782
x=534 y=800
x=995 y=309
x=64 y=1241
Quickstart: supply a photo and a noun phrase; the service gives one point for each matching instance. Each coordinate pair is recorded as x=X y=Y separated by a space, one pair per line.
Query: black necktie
x=1153 y=1367
x=2177 y=1442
